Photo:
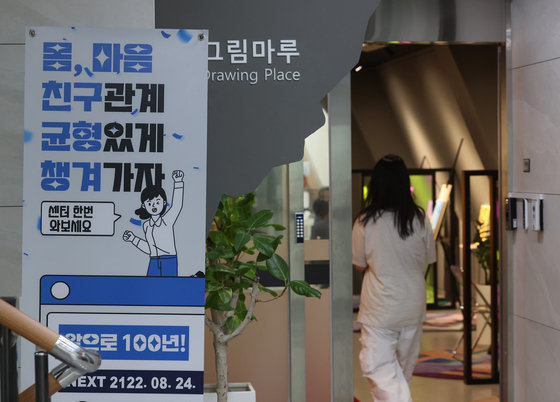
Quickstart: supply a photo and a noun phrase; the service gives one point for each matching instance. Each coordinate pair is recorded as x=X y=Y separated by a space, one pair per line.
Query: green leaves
x=220 y=252
x=272 y=292
x=304 y=289
x=239 y=245
x=218 y=237
x=212 y=286
x=278 y=267
x=258 y=220
x=263 y=245
x=276 y=227
x=240 y=240
x=214 y=302
x=225 y=294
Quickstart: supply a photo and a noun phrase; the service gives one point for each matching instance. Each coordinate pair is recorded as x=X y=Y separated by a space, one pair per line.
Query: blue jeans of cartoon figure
x=387 y=359
x=165 y=265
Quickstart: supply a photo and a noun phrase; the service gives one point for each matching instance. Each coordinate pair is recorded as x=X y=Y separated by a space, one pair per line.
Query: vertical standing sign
x=114 y=205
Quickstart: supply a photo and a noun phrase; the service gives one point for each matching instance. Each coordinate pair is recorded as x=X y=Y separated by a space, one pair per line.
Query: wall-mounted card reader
x=299 y=227
x=533 y=210
x=511 y=213
x=537 y=214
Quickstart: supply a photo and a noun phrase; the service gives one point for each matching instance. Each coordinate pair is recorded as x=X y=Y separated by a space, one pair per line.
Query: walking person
x=392 y=242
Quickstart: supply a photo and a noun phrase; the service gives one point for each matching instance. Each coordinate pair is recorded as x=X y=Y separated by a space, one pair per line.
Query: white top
x=160 y=237
x=394 y=289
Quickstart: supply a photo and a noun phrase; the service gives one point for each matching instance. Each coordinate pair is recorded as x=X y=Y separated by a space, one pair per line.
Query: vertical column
x=507 y=371
x=8 y=362
x=42 y=377
x=341 y=242
x=297 y=271
x=467 y=286
x=5 y=382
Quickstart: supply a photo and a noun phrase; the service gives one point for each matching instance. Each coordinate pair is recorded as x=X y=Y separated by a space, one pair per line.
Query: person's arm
x=139 y=243
x=173 y=212
x=359 y=259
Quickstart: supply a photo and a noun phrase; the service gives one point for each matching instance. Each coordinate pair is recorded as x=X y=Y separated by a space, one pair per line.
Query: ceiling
x=374 y=55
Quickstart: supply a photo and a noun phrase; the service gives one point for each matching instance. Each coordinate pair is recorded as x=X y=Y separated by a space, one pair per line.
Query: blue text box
x=131 y=342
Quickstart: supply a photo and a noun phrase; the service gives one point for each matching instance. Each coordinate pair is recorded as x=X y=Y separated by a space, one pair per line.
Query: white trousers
x=387 y=359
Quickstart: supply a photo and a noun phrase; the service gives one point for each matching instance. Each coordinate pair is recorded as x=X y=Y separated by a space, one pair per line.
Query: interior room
x=436 y=106
x=409 y=115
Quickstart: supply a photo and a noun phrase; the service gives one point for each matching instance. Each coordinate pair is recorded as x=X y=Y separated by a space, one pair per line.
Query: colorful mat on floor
x=440 y=364
x=445 y=321
x=437 y=322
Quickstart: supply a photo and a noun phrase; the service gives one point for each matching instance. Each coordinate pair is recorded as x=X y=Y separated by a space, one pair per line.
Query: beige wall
x=260 y=354
x=535 y=269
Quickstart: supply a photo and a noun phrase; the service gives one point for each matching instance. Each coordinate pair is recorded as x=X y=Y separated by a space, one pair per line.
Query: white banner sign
x=114 y=205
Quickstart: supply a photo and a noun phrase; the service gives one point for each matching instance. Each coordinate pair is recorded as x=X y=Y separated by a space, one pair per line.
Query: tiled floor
x=428 y=389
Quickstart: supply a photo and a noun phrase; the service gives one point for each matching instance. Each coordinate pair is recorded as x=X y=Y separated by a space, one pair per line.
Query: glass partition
x=273 y=193
x=479 y=278
x=316 y=195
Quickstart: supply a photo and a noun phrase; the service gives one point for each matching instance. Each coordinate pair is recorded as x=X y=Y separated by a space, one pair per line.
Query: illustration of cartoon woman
x=158 y=227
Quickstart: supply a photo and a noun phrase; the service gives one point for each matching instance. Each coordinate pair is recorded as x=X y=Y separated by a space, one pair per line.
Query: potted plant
x=236 y=233
x=481 y=249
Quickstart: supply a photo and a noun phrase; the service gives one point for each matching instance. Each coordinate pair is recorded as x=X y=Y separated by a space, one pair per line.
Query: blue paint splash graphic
x=26 y=254
x=179 y=137
x=196 y=168
x=135 y=112
x=88 y=72
x=184 y=36
x=136 y=222
x=27 y=136
x=165 y=34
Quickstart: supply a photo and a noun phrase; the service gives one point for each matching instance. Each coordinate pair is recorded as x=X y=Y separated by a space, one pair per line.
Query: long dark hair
x=389 y=190
x=149 y=193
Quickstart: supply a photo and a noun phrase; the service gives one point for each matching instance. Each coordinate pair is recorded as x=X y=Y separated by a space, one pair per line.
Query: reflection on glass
x=320 y=228
x=271 y=194
x=316 y=184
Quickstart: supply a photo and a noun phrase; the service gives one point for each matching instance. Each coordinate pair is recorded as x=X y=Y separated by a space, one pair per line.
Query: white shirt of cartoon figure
x=160 y=237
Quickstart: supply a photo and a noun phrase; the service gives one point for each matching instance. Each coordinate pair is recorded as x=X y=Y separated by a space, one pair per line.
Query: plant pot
x=238 y=392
